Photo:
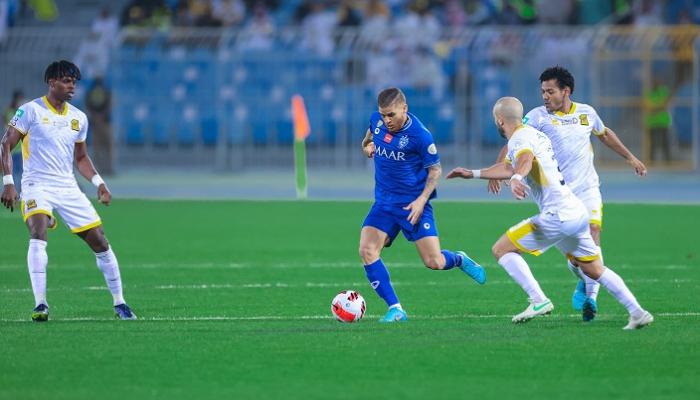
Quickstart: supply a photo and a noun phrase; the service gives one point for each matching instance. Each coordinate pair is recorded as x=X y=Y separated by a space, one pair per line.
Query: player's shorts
x=71 y=204
x=391 y=219
x=593 y=201
x=537 y=234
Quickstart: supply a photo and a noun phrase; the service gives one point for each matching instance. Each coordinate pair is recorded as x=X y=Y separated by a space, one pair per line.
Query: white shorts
x=537 y=234
x=71 y=204
x=593 y=201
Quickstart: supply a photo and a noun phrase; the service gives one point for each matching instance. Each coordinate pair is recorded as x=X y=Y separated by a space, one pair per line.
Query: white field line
x=310 y=265
x=329 y=317
x=340 y=285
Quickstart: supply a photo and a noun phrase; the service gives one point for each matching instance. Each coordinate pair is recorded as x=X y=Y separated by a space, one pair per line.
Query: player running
x=562 y=222
x=53 y=134
x=569 y=126
x=406 y=173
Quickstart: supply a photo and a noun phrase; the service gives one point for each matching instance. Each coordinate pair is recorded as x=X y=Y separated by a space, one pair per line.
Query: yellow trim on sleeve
x=52 y=109
x=596 y=222
x=521 y=151
x=87 y=227
x=518 y=232
x=25 y=147
x=599 y=133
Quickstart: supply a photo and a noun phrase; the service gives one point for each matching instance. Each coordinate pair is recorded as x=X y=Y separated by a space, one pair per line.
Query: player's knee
x=497 y=251
x=368 y=254
x=434 y=262
x=38 y=235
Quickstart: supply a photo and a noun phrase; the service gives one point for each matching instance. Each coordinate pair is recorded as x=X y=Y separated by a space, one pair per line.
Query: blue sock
x=451 y=260
x=378 y=277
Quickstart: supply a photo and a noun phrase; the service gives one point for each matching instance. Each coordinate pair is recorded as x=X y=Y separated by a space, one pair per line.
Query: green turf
x=221 y=289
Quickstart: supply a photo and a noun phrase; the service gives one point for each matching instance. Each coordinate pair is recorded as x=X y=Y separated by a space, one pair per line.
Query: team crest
x=45 y=121
x=584 y=119
x=380 y=123
x=403 y=142
x=74 y=125
x=31 y=204
x=555 y=122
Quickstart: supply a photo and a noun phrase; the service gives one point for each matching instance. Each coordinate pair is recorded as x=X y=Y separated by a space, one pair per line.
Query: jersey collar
x=407 y=124
x=571 y=111
x=52 y=109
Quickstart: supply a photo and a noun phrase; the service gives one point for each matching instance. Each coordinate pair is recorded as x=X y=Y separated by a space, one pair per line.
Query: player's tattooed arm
x=9 y=141
x=416 y=207
x=611 y=140
x=368 y=144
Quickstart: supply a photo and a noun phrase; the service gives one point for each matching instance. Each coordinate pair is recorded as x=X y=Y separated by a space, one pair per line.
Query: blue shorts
x=391 y=219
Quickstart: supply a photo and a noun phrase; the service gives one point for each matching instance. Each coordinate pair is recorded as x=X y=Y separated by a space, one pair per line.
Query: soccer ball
x=348 y=306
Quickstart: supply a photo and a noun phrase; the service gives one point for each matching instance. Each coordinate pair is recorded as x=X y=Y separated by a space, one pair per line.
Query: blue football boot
x=579 y=296
x=394 y=314
x=472 y=268
x=589 y=309
x=123 y=312
x=40 y=313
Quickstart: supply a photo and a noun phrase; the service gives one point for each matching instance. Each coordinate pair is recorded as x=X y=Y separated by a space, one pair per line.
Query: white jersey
x=571 y=139
x=547 y=185
x=49 y=140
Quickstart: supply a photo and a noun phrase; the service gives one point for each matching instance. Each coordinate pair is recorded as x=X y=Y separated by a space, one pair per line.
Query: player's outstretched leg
x=614 y=284
x=378 y=277
x=37 y=259
x=518 y=269
x=470 y=267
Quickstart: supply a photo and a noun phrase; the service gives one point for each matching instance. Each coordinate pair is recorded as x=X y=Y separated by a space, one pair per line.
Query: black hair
x=389 y=96
x=561 y=74
x=60 y=69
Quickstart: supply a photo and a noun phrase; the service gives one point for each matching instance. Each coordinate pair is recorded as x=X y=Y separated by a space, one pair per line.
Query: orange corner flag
x=302 y=129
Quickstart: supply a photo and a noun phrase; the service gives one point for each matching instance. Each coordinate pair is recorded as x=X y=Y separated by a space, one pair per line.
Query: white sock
x=397 y=305
x=518 y=269
x=592 y=286
x=107 y=263
x=36 y=263
x=616 y=286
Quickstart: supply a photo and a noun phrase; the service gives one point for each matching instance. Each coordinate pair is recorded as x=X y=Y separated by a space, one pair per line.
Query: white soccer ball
x=348 y=306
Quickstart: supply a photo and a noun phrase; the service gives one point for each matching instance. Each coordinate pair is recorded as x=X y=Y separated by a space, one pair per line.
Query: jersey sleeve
x=597 y=125
x=533 y=119
x=22 y=119
x=516 y=147
x=427 y=150
x=82 y=133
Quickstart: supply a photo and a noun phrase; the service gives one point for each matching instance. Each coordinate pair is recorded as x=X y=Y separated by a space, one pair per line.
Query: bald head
x=509 y=109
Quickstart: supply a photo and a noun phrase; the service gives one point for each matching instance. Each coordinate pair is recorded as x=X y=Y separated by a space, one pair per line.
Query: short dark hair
x=389 y=96
x=60 y=69
x=561 y=74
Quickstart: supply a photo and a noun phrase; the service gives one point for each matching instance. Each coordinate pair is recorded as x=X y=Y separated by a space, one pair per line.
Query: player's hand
x=519 y=189
x=103 y=195
x=369 y=150
x=9 y=196
x=494 y=186
x=416 y=208
x=460 y=172
x=639 y=167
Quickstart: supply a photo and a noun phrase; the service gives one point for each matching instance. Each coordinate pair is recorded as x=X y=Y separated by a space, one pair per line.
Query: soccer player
x=531 y=167
x=569 y=126
x=53 y=134
x=406 y=172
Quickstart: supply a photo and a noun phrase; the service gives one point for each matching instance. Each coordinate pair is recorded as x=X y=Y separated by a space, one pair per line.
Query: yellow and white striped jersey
x=49 y=140
x=571 y=140
x=547 y=184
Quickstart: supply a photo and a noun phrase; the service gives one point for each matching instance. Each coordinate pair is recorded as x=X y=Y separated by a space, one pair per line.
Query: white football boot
x=639 y=322
x=534 y=310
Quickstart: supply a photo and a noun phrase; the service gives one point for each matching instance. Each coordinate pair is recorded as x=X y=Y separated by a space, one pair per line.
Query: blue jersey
x=401 y=160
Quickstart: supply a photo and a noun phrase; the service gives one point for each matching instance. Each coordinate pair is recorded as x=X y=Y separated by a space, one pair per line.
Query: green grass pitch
x=234 y=302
